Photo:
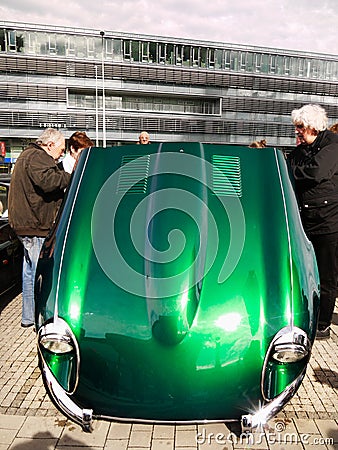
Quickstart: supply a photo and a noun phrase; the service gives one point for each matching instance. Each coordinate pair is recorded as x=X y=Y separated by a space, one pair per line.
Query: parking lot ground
x=29 y=420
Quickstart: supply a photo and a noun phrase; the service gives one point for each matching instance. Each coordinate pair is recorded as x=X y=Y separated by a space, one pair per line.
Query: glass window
x=127 y=50
x=287 y=65
x=227 y=61
x=60 y=45
x=272 y=63
x=328 y=69
x=321 y=69
x=179 y=105
x=99 y=44
x=233 y=60
x=265 y=63
x=42 y=43
x=80 y=47
x=314 y=69
x=145 y=51
x=257 y=62
x=90 y=47
x=249 y=62
x=186 y=55
x=11 y=41
x=279 y=65
x=70 y=46
x=31 y=42
x=117 y=50
x=109 y=50
x=179 y=55
x=218 y=59
x=135 y=51
x=170 y=54
x=211 y=58
x=2 y=41
x=52 y=44
x=195 y=56
x=301 y=67
x=152 y=52
x=161 y=53
x=203 y=57
x=242 y=61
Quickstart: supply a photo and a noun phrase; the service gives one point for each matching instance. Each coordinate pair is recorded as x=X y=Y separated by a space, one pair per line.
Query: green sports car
x=176 y=286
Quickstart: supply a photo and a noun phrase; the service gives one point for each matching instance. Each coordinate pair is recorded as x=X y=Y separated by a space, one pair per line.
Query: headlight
x=291 y=345
x=289 y=353
x=57 y=344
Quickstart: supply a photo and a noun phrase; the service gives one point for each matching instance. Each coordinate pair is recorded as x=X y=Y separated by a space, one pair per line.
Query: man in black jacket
x=314 y=164
x=36 y=190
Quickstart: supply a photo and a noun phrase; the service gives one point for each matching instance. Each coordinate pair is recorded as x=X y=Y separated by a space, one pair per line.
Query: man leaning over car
x=36 y=190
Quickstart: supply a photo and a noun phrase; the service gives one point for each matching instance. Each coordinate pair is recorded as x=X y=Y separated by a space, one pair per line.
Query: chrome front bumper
x=83 y=417
x=266 y=412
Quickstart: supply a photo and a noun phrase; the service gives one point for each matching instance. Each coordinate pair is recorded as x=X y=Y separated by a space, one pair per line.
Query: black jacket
x=36 y=190
x=315 y=171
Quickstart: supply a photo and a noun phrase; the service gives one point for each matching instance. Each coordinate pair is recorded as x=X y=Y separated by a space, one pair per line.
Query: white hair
x=50 y=135
x=311 y=116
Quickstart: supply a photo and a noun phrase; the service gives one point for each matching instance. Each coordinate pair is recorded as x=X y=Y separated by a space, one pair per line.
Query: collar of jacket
x=34 y=145
x=321 y=141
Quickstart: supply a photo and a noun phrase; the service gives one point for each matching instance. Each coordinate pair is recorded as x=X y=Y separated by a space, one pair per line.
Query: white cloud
x=301 y=25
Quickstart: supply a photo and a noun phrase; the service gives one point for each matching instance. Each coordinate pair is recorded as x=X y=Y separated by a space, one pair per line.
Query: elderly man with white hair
x=144 y=138
x=36 y=190
x=314 y=164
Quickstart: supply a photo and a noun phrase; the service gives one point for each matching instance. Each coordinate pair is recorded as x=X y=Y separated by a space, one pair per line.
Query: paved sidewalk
x=29 y=421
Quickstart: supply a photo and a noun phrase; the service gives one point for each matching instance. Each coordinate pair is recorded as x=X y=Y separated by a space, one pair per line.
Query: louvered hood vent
x=226 y=176
x=133 y=177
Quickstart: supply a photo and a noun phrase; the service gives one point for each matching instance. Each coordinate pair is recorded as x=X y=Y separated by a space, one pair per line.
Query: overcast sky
x=307 y=25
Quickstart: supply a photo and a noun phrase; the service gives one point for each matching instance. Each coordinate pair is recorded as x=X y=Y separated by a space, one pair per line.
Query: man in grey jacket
x=36 y=190
x=314 y=165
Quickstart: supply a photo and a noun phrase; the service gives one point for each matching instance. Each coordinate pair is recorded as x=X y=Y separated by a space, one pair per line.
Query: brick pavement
x=29 y=420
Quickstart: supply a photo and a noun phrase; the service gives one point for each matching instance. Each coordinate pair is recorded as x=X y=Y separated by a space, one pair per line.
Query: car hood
x=175 y=269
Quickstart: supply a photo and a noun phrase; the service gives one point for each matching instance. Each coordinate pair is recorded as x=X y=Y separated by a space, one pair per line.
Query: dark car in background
x=11 y=250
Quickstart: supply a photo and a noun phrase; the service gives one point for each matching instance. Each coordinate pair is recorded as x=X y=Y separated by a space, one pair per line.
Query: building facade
x=114 y=85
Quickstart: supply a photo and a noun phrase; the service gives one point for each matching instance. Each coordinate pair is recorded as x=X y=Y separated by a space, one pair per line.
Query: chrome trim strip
x=83 y=417
x=56 y=307
x=286 y=216
x=251 y=421
x=163 y=422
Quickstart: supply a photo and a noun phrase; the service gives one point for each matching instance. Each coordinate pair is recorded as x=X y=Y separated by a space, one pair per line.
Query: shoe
x=26 y=325
x=323 y=333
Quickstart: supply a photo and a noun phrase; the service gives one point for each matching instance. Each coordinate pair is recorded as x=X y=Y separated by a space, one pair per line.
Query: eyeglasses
x=299 y=126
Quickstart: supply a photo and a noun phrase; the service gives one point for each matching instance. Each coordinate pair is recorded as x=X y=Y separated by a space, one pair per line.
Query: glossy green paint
x=63 y=367
x=186 y=338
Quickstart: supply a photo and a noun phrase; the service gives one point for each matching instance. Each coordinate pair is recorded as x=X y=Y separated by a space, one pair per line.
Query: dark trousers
x=326 y=250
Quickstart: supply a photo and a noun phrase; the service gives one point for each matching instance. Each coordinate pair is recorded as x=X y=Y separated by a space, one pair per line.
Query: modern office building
x=114 y=85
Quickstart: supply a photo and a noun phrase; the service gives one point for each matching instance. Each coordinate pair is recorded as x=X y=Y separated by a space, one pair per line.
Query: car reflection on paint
x=176 y=286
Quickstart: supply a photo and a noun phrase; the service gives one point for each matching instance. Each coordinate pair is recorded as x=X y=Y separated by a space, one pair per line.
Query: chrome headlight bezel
x=290 y=346
x=55 y=337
